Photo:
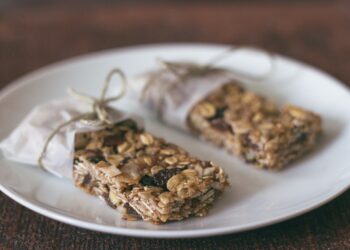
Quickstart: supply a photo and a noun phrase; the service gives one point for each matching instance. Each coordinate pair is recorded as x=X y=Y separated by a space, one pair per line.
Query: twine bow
x=99 y=114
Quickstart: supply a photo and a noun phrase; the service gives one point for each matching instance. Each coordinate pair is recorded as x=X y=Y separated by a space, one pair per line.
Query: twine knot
x=99 y=114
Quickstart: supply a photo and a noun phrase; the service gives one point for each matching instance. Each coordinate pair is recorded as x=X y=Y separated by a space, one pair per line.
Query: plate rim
x=168 y=234
x=151 y=233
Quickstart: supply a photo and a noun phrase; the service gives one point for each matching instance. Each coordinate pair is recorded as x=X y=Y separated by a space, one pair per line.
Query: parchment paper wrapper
x=173 y=98
x=26 y=142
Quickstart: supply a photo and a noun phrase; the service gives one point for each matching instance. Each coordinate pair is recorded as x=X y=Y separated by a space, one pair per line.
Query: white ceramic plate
x=257 y=198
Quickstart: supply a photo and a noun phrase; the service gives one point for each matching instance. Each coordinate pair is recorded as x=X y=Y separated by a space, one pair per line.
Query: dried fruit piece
x=114 y=140
x=220 y=125
x=162 y=177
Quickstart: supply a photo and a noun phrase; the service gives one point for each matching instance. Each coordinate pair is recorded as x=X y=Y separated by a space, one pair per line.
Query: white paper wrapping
x=26 y=142
x=175 y=97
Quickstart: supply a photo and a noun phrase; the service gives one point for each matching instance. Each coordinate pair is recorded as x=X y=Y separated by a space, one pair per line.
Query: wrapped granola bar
x=25 y=144
x=109 y=154
x=210 y=102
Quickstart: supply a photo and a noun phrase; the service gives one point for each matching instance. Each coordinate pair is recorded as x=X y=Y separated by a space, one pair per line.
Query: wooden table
x=33 y=34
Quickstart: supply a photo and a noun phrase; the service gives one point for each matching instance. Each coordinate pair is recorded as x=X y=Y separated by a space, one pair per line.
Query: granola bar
x=145 y=177
x=252 y=127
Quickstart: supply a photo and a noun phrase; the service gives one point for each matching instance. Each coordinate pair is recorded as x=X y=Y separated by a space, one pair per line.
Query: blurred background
x=34 y=33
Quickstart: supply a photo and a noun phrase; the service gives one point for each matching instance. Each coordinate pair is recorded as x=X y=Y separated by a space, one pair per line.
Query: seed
x=174 y=181
x=146 y=139
x=115 y=159
x=191 y=173
x=271 y=145
x=248 y=97
x=184 y=163
x=156 y=169
x=164 y=198
x=297 y=113
x=113 y=198
x=147 y=160
x=266 y=126
x=240 y=127
x=257 y=117
x=110 y=171
x=161 y=178
x=123 y=147
x=167 y=151
x=206 y=110
x=170 y=160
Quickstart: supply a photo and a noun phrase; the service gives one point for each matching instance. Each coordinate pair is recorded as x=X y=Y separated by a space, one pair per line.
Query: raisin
x=195 y=202
x=130 y=124
x=124 y=161
x=113 y=140
x=220 y=125
x=96 y=159
x=94 y=156
x=161 y=178
x=301 y=138
x=147 y=181
x=93 y=152
x=87 y=179
x=248 y=143
x=131 y=211
x=219 y=113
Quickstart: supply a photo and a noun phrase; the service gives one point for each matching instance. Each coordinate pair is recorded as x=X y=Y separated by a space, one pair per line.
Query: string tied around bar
x=193 y=69
x=183 y=70
x=99 y=114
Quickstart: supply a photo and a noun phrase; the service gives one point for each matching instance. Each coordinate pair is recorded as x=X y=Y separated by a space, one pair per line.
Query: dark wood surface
x=35 y=33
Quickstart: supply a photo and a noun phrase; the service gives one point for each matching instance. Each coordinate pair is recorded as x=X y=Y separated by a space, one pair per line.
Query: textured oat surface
x=255 y=129
x=143 y=176
x=314 y=31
